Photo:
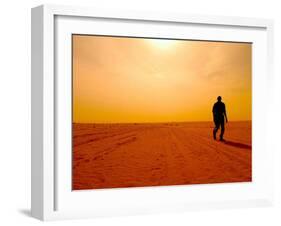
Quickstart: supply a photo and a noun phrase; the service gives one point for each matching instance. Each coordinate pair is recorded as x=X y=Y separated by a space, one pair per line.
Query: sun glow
x=162 y=43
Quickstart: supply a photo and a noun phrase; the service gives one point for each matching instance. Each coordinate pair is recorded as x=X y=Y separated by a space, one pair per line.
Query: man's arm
x=225 y=114
x=213 y=111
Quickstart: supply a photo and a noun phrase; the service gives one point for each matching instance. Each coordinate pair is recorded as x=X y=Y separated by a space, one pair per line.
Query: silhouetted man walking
x=219 y=113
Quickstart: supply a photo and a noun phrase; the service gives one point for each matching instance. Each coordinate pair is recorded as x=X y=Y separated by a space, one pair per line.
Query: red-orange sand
x=133 y=155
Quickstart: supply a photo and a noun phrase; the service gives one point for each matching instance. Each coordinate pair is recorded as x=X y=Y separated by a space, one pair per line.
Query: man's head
x=219 y=98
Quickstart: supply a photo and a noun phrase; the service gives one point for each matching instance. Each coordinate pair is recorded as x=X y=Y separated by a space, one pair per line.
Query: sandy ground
x=130 y=155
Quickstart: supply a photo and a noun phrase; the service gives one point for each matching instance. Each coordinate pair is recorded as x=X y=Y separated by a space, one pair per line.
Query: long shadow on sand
x=238 y=145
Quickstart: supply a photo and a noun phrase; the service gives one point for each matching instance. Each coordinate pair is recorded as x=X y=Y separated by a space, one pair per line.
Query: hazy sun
x=162 y=43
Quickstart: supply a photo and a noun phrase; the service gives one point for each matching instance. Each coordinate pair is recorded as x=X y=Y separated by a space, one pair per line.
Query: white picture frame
x=51 y=196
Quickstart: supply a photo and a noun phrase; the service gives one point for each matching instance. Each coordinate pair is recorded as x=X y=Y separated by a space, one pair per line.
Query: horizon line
x=153 y=122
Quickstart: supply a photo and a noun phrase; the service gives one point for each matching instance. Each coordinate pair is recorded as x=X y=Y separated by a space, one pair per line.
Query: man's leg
x=222 y=129
x=217 y=126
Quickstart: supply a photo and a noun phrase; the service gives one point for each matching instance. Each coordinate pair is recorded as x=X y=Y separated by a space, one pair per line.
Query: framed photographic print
x=137 y=112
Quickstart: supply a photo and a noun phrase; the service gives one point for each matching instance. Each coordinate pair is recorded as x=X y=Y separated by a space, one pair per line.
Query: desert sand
x=135 y=155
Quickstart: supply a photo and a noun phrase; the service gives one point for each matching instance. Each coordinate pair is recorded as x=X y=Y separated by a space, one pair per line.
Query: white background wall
x=15 y=111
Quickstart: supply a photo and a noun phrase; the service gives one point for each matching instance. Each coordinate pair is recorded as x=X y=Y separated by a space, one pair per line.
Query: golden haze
x=124 y=80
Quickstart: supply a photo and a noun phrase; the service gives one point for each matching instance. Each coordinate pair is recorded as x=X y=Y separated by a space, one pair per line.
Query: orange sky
x=151 y=80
